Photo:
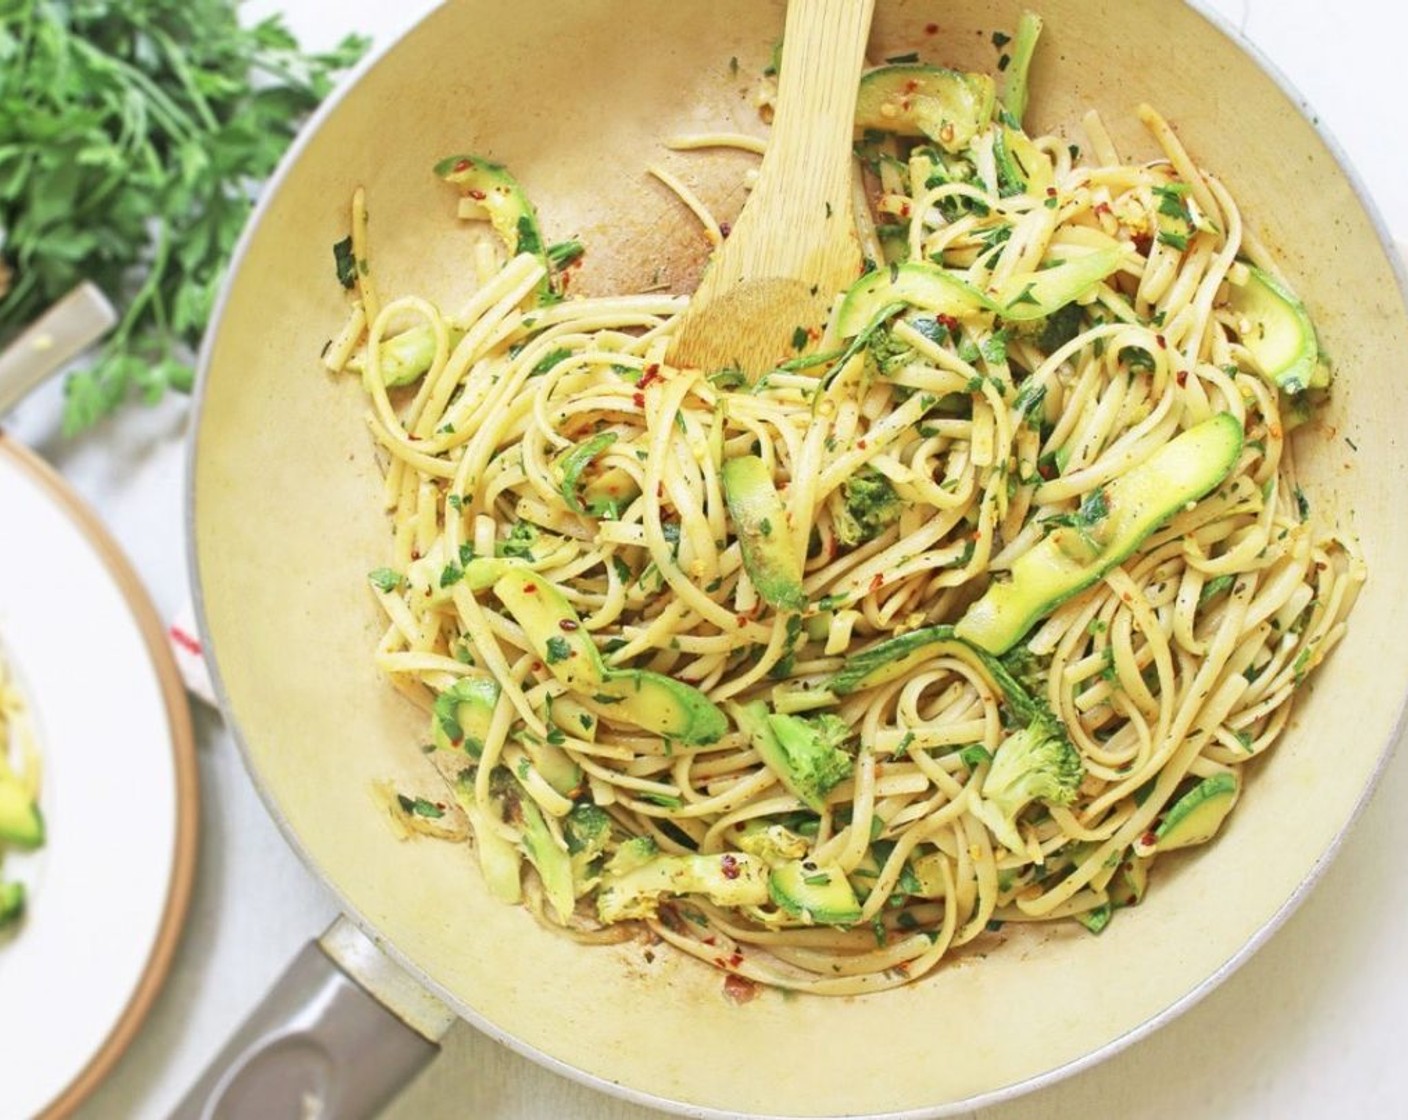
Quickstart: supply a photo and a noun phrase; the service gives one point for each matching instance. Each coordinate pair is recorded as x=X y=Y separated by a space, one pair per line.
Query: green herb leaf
x=345 y=263
x=420 y=807
x=385 y=579
x=132 y=134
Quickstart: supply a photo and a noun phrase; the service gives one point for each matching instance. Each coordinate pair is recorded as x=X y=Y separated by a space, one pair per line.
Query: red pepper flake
x=529 y=588
x=568 y=624
x=537 y=666
x=1163 y=343
x=725 y=228
x=949 y=323
x=739 y=989
x=931 y=29
x=861 y=444
x=1149 y=839
x=1046 y=470
x=877 y=581
x=735 y=960
x=911 y=86
x=728 y=866
x=742 y=620
x=652 y=373
x=1181 y=377
x=710 y=940
x=477 y=195
x=462 y=165
x=639 y=400
x=1143 y=242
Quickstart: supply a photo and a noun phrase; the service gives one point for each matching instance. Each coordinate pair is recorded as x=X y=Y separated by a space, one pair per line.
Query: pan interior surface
x=287 y=521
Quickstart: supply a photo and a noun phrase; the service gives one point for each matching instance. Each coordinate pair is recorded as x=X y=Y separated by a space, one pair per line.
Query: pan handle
x=341 y=1033
x=48 y=344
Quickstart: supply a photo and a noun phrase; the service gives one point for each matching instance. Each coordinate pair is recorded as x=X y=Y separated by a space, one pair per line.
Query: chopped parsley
x=385 y=579
x=420 y=807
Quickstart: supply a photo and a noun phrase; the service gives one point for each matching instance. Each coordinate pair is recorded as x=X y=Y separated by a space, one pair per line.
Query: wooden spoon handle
x=794 y=245
x=801 y=202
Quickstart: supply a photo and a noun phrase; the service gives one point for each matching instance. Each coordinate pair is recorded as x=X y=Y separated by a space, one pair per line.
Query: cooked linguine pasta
x=796 y=744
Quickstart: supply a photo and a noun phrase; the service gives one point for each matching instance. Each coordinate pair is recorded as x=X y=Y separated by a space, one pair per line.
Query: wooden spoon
x=794 y=245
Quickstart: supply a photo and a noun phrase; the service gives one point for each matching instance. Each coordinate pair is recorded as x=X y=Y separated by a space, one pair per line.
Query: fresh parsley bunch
x=133 y=135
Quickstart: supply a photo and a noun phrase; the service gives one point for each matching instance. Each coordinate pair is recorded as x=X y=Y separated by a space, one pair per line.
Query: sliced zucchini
x=609 y=493
x=1015 y=90
x=915 y=284
x=1276 y=330
x=489 y=188
x=661 y=704
x=405 y=357
x=1035 y=295
x=1196 y=816
x=930 y=287
x=1096 y=919
x=910 y=99
x=1022 y=167
x=770 y=557
x=462 y=713
x=649 y=700
x=929 y=875
x=21 y=823
x=570 y=465
x=1131 y=880
x=499 y=859
x=554 y=765
x=813 y=893
x=894 y=657
x=551 y=860
x=1072 y=557
x=553 y=628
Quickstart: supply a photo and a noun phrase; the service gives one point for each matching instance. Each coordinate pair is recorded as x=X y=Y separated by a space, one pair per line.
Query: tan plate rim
x=178 y=718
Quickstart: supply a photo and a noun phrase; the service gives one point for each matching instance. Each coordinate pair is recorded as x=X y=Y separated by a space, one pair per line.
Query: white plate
x=108 y=891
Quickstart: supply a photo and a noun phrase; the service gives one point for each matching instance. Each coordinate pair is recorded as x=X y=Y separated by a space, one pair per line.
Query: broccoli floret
x=1035 y=763
x=519 y=542
x=587 y=830
x=771 y=842
x=888 y=352
x=806 y=753
x=633 y=853
x=868 y=504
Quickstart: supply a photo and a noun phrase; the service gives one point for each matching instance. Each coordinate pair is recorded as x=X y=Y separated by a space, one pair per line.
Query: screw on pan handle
x=343 y=1030
x=53 y=340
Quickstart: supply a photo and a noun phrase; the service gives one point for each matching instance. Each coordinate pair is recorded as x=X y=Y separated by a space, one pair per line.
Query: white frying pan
x=286 y=521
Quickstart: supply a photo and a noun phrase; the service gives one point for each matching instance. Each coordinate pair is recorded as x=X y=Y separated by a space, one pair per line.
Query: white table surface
x=1308 y=1028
